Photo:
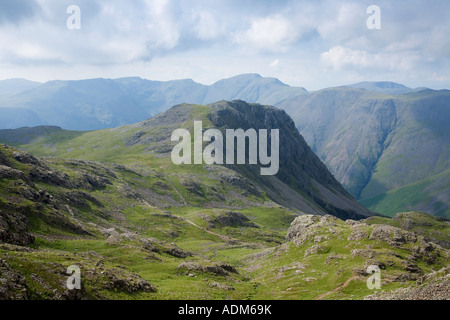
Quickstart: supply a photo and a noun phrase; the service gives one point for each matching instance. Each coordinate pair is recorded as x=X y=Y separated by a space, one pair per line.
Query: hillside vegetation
x=390 y=151
x=139 y=227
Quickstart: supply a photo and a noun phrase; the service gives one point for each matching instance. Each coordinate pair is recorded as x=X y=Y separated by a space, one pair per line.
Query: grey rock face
x=391 y=235
x=14 y=228
x=233 y=219
x=435 y=286
x=299 y=227
x=299 y=168
x=219 y=268
x=13 y=286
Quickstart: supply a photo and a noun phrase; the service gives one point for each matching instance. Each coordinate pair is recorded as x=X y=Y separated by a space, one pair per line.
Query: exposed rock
x=366 y=253
x=332 y=257
x=391 y=235
x=432 y=228
x=299 y=227
x=128 y=283
x=135 y=138
x=321 y=238
x=112 y=239
x=178 y=252
x=351 y=222
x=358 y=234
x=408 y=220
x=14 y=228
x=10 y=173
x=13 y=286
x=110 y=231
x=220 y=268
x=51 y=177
x=297 y=266
x=240 y=182
x=192 y=187
x=226 y=287
x=150 y=244
x=128 y=191
x=3 y=158
x=435 y=286
x=313 y=228
x=315 y=249
x=25 y=157
x=91 y=181
x=80 y=199
x=233 y=219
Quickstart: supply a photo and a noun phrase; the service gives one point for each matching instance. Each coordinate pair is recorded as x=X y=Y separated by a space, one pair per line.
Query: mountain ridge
x=99 y=103
x=111 y=203
x=336 y=123
x=374 y=142
x=386 y=87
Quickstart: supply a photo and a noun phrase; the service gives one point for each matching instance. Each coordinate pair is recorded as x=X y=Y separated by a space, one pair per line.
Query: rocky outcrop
x=14 y=228
x=178 y=252
x=13 y=286
x=233 y=219
x=129 y=283
x=49 y=281
x=391 y=235
x=315 y=228
x=4 y=161
x=382 y=245
x=434 y=286
x=219 y=268
x=7 y=172
x=434 y=229
x=299 y=167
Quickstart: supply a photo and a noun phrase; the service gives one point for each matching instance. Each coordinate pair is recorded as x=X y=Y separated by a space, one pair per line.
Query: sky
x=312 y=44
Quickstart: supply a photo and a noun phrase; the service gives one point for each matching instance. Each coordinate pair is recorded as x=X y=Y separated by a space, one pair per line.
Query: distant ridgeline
x=387 y=144
x=297 y=179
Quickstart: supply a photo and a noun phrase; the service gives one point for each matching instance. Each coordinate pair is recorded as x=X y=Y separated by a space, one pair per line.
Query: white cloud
x=342 y=21
x=163 y=30
x=343 y=58
x=273 y=33
x=339 y=57
x=193 y=39
x=207 y=26
x=274 y=63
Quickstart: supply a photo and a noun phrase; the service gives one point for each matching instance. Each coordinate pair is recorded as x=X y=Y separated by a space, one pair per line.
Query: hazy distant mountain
x=105 y=103
x=77 y=105
x=251 y=88
x=376 y=143
x=385 y=87
x=375 y=137
x=18 y=117
x=13 y=86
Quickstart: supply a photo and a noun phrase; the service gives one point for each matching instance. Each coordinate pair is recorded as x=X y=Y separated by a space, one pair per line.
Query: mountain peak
x=386 y=87
x=303 y=183
x=16 y=85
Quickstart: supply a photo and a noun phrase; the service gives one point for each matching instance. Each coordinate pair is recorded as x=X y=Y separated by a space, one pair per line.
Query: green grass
x=411 y=196
x=279 y=277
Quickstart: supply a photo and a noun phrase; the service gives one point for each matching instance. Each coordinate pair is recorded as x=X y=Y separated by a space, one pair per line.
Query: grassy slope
x=143 y=171
x=346 y=133
x=335 y=271
x=183 y=226
x=57 y=245
x=427 y=195
x=273 y=277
